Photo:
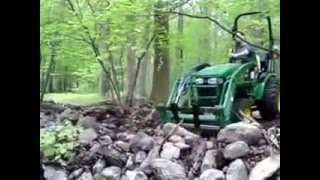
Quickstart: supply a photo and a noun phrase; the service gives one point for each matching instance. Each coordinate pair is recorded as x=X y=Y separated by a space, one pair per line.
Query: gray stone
x=75 y=174
x=180 y=131
x=111 y=126
x=209 y=160
x=141 y=141
x=212 y=174
x=99 y=166
x=114 y=157
x=175 y=139
x=124 y=136
x=237 y=171
x=123 y=146
x=265 y=168
x=236 y=150
x=106 y=139
x=158 y=140
x=86 y=176
x=124 y=177
x=140 y=156
x=209 y=145
x=95 y=148
x=167 y=170
x=241 y=131
x=51 y=173
x=112 y=173
x=88 y=122
x=130 y=163
x=136 y=175
x=170 y=152
x=146 y=164
x=182 y=145
x=99 y=177
x=68 y=114
x=191 y=139
x=88 y=135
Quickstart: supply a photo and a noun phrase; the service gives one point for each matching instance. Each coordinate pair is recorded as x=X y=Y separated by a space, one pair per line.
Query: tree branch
x=177 y=5
x=221 y=26
x=84 y=27
x=79 y=9
x=94 y=17
x=138 y=68
x=78 y=39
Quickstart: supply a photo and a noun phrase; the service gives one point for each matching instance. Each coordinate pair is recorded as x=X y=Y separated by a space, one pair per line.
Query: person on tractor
x=276 y=54
x=242 y=52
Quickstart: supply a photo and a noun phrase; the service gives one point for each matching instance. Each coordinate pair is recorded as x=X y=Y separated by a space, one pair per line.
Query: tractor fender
x=259 y=88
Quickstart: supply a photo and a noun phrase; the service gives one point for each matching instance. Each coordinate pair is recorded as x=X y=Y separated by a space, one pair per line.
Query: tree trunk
x=179 y=48
x=131 y=61
x=40 y=57
x=215 y=32
x=49 y=71
x=104 y=85
x=143 y=82
x=204 y=41
x=161 y=77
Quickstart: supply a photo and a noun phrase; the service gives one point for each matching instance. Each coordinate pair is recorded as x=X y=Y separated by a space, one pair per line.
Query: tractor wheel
x=244 y=105
x=269 y=106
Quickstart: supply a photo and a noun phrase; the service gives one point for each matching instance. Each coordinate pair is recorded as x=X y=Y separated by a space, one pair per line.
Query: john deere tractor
x=211 y=97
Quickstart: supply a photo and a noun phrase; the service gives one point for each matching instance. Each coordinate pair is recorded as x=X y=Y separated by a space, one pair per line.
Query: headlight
x=199 y=81
x=215 y=81
x=212 y=81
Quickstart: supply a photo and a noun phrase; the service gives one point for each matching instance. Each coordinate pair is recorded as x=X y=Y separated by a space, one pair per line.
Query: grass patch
x=73 y=98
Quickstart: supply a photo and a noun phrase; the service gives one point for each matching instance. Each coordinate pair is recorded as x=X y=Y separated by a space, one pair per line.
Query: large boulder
x=241 y=131
x=236 y=150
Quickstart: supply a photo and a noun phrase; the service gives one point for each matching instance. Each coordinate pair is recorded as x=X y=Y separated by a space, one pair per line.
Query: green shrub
x=59 y=143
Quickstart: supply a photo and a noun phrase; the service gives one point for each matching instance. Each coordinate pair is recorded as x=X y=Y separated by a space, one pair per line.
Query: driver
x=242 y=52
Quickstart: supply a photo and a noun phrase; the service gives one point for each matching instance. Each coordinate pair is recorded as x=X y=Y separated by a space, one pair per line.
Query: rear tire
x=241 y=104
x=269 y=106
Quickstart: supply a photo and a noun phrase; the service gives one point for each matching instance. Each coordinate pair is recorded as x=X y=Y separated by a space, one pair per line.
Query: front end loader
x=211 y=97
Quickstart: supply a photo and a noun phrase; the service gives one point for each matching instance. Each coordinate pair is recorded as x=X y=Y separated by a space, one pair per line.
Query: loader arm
x=229 y=91
x=178 y=88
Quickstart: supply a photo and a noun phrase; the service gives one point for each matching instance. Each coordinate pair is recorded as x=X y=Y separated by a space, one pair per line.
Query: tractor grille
x=205 y=92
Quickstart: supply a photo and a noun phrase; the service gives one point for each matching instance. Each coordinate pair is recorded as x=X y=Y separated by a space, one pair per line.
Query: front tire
x=269 y=106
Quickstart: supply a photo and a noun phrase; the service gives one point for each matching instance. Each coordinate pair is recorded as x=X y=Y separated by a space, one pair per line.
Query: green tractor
x=211 y=97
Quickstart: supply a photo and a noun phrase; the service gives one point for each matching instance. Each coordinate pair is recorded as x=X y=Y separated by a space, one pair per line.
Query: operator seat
x=264 y=66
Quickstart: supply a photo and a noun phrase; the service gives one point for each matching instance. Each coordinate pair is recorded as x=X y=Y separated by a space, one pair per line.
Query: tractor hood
x=221 y=70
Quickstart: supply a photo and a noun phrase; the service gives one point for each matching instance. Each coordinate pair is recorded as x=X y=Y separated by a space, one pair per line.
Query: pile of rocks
x=132 y=144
